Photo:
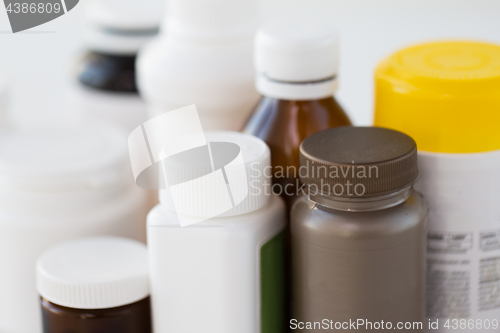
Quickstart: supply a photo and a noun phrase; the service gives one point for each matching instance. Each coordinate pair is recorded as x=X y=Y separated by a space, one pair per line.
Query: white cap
x=89 y=158
x=297 y=61
x=217 y=19
x=122 y=26
x=207 y=196
x=94 y=273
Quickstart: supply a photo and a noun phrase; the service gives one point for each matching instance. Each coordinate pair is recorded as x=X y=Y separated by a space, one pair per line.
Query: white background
x=38 y=61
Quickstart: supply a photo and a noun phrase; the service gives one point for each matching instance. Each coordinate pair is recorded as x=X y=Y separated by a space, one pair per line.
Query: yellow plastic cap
x=445 y=95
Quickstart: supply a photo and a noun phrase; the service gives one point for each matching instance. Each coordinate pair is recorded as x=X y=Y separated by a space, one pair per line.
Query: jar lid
x=91 y=155
x=358 y=161
x=445 y=95
x=121 y=27
x=225 y=177
x=94 y=273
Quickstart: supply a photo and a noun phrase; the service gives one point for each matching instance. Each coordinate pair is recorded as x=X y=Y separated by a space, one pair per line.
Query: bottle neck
x=362 y=204
x=296 y=90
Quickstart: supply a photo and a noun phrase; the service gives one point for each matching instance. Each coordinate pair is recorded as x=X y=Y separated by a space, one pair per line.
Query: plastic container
x=297 y=72
x=226 y=271
x=57 y=184
x=447 y=96
x=359 y=236
x=105 y=86
x=97 y=284
x=203 y=56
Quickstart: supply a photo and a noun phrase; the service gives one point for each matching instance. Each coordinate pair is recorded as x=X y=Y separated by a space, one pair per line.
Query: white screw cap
x=296 y=60
x=232 y=179
x=94 y=273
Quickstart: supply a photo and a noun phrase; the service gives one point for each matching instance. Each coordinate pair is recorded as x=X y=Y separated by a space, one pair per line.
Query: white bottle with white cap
x=223 y=274
x=203 y=56
x=105 y=85
x=57 y=184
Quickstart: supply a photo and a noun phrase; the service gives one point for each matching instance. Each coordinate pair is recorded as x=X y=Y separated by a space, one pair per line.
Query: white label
x=463 y=251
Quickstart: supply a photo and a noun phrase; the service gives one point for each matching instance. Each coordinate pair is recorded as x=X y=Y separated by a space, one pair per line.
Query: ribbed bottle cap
x=358 y=161
x=94 y=273
x=445 y=95
x=212 y=18
x=231 y=178
x=297 y=61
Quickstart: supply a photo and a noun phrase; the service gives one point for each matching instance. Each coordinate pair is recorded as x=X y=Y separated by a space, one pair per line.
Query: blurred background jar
x=104 y=77
x=203 y=56
x=56 y=184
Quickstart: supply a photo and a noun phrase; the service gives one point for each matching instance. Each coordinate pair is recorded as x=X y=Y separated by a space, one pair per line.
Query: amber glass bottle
x=297 y=74
x=95 y=285
x=132 y=318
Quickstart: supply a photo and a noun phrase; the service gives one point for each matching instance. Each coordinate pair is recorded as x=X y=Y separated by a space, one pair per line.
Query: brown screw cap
x=361 y=161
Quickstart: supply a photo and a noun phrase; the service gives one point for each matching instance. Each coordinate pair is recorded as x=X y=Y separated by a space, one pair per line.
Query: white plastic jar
x=224 y=274
x=103 y=83
x=56 y=184
x=203 y=56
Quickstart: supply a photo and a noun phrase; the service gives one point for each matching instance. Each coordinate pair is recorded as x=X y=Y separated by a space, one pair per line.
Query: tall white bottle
x=223 y=274
x=203 y=56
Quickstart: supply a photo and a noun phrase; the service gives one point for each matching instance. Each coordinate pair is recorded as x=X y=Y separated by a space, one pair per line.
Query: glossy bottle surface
x=108 y=72
x=359 y=265
x=283 y=125
x=132 y=318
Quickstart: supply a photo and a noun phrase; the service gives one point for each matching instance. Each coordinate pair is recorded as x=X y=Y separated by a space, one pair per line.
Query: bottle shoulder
x=277 y=120
x=360 y=230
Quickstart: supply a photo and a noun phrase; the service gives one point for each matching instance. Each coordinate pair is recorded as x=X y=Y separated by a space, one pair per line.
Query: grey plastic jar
x=359 y=235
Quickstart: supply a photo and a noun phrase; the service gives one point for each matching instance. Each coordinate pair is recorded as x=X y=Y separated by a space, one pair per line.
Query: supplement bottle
x=297 y=68
x=56 y=184
x=358 y=238
x=203 y=56
x=446 y=95
x=105 y=86
x=97 y=284
x=223 y=274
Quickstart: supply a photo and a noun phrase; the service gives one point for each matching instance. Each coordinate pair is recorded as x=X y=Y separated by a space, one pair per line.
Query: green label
x=272 y=282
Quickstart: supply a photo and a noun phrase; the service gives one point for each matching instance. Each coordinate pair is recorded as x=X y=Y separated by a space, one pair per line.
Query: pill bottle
x=59 y=183
x=103 y=80
x=226 y=271
x=95 y=284
x=446 y=95
x=297 y=69
x=203 y=56
x=359 y=237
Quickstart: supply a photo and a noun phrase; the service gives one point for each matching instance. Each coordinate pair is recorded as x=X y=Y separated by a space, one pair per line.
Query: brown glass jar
x=95 y=285
x=132 y=318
